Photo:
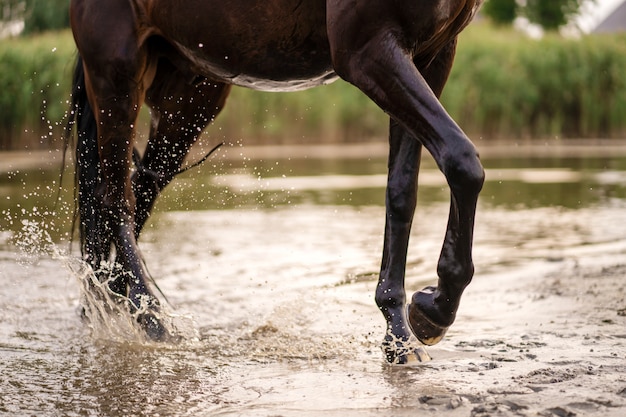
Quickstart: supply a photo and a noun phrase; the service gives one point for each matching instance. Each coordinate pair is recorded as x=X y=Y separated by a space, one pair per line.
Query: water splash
x=107 y=313
x=33 y=239
x=405 y=352
x=292 y=332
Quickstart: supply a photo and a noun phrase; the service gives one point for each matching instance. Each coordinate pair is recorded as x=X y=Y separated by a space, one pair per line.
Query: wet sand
x=541 y=331
x=544 y=339
x=289 y=327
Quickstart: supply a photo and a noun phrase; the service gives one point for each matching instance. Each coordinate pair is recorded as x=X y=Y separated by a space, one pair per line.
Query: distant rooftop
x=614 y=22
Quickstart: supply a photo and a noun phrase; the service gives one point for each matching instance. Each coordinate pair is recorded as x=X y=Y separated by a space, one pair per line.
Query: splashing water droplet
x=107 y=313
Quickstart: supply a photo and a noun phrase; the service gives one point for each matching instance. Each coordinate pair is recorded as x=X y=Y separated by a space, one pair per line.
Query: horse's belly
x=260 y=44
x=267 y=71
x=265 y=84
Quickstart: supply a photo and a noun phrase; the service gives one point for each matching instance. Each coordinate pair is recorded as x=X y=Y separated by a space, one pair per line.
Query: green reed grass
x=503 y=86
x=507 y=86
x=35 y=79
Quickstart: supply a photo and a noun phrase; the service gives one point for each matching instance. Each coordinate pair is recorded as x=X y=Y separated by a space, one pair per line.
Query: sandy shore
x=548 y=339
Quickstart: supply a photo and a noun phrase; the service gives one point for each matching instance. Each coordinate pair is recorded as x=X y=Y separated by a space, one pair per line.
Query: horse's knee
x=463 y=170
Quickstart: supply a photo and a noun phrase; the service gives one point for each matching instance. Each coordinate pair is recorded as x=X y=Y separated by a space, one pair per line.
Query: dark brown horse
x=182 y=57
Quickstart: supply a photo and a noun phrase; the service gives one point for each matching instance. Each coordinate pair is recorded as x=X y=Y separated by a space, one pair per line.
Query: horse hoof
x=418 y=355
x=155 y=331
x=425 y=330
x=404 y=353
x=402 y=357
x=423 y=327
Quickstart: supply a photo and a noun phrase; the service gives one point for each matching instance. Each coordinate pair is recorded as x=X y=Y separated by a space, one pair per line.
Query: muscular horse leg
x=401 y=199
x=116 y=118
x=117 y=75
x=181 y=110
x=433 y=309
x=397 y=86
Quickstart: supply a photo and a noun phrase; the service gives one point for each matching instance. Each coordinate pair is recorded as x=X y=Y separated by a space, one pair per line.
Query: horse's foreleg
x=116 y=98
x=392 y=80
x=433 y=309
x=401 y=199
x=119 y=201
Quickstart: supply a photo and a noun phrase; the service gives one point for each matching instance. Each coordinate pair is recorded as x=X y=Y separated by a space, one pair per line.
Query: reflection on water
x=276 y=261
x=227 y=183
x=516 y=182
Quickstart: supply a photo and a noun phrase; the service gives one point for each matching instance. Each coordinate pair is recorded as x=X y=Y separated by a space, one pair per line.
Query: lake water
x=270 y=268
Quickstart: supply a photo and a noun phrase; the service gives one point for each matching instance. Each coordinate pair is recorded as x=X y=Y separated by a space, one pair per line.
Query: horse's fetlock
x=387 y=297
x=455 y=275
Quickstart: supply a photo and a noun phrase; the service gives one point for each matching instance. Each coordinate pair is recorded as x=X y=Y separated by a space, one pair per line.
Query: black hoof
x=421 y=323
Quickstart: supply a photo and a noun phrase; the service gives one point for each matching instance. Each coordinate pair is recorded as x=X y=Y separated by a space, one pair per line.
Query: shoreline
x=31 y=159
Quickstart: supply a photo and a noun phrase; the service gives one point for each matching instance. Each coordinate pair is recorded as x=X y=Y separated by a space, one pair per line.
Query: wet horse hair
x=181 y=59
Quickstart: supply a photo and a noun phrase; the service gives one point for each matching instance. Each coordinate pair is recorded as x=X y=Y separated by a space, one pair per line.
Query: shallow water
x=270 y=267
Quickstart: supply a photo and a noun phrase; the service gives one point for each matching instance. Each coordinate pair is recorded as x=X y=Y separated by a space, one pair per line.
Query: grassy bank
x=502 y=86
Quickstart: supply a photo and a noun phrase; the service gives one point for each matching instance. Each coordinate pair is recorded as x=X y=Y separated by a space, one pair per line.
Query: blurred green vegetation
x=503 y=86
x=550 y=15
x=35 y=80
x=501 y=12
x=553 y=14
x=45 y=15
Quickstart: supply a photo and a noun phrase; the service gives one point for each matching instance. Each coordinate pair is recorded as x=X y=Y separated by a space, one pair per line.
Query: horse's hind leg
x=117 y=73
x=180 y=112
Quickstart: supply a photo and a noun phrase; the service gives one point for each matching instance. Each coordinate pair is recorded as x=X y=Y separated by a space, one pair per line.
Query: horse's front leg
x=433 y=309
x=400 y=201
x=119 y=205
x=379 y=61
